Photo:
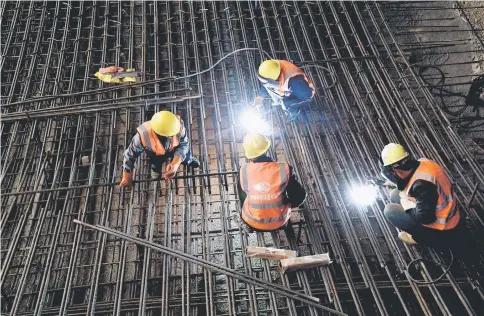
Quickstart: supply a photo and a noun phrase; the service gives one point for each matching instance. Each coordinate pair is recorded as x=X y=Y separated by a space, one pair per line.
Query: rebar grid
x=52 y=266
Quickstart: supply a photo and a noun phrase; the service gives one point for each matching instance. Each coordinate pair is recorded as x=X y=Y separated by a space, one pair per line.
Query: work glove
x=406 y=201
x=194 y=163
x=155 y=175
x=389 y=184
x=172 y=168
x=127 y=179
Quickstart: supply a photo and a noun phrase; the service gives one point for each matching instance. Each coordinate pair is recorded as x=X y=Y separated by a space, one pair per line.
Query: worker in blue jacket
x=287 y=83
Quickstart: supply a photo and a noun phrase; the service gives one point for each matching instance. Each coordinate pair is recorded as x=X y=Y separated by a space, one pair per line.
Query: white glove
x=389 y=184
x=406 y=201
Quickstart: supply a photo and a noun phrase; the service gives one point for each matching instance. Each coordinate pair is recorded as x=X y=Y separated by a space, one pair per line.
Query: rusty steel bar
x=219 y=268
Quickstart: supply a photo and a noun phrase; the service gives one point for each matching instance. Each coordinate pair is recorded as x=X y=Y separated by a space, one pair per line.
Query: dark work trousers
x=458 y=239
x=301 y=94
x=157 y=161
x=292 y=103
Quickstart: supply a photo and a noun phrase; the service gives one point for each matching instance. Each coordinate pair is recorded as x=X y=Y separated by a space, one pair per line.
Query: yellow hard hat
x=393 y=153
x=165 y=123
x=255 y=145
x=270 y=69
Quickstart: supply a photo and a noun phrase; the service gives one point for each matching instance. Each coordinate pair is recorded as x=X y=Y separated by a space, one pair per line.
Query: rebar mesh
x=61 y=155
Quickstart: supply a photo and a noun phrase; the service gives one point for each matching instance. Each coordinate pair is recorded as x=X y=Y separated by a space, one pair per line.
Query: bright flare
x=253 y=123
x=364 y=195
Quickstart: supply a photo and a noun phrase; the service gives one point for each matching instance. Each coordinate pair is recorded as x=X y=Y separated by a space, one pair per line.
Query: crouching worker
x=267 y=189
x=162 y=138
x=282 y=80
x=424 y=206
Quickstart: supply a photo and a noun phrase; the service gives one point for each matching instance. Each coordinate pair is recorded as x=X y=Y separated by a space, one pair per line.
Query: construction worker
x=283 y=81
x=267 y=189
x=423 y=204
x=163 y=137
x=114 y=74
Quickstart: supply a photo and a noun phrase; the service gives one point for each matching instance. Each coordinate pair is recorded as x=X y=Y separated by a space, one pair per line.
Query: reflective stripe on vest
x=265 y=184
x=447 y=199
x=268 y=220
x=145 y=138
x=150 y=140
x=261 y=206
x=446 y=212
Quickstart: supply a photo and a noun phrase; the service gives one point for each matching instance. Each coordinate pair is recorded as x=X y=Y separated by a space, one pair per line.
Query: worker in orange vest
x=423 y=205
x=267 y=189
x=286 y=82
x=162 y=138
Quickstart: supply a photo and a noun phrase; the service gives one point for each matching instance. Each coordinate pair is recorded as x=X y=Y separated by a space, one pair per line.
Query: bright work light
x=363 y=195
x=253 y=123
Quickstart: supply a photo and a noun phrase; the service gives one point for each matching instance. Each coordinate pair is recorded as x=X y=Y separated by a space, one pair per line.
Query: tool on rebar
x=306 y=262
x=269 y=253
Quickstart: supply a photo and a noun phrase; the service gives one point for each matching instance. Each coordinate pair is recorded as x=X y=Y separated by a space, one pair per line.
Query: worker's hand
x=406 y=201
x=172 y=168
x=389 y=184
x=127 y=179
x=258 y=101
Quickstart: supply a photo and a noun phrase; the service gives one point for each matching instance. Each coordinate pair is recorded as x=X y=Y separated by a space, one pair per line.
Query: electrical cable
x=221 y=59
x=446 y=93
x=439 y=86
x=414 y=261
x=109 y=89
x=333 y=75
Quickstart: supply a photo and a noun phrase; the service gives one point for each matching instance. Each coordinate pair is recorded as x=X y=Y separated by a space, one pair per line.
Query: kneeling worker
x=267 y=189
x=284 y=81
x=163 y=137
x=423 y=205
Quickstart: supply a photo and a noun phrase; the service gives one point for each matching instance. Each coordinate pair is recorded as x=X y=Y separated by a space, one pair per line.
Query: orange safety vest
x=265 y=184
x=150 y=140
x=289 y=70
x=447 y=213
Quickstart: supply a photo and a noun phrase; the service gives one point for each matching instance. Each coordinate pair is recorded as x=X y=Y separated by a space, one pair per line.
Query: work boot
x=406 y=238
x=155 y=175
x=193 y=162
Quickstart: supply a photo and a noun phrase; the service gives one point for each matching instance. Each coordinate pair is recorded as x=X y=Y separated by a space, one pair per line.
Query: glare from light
x=253 y=123
x=364 y=195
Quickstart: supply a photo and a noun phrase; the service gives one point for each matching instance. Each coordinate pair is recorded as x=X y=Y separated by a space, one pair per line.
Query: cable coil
x=414 y=261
